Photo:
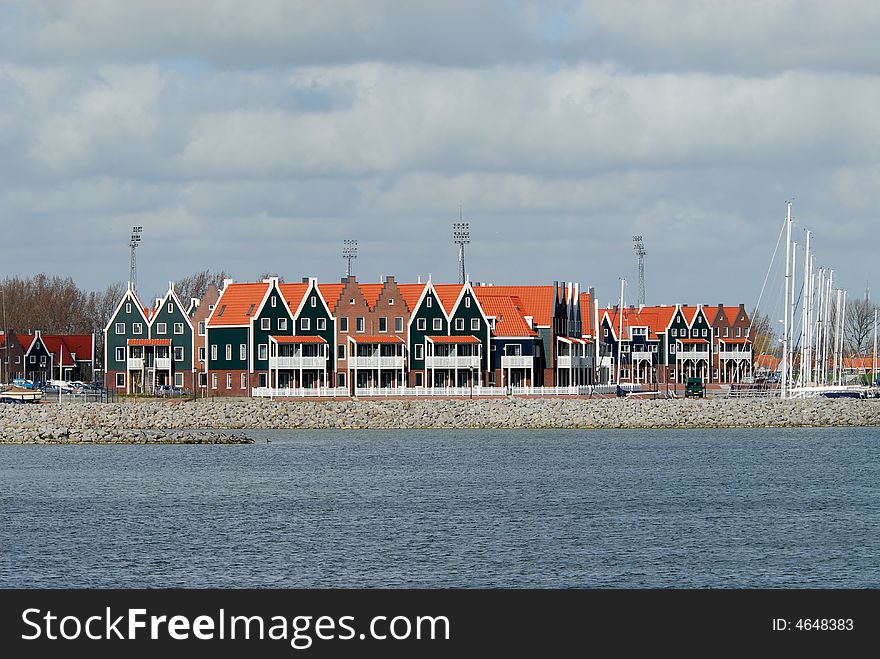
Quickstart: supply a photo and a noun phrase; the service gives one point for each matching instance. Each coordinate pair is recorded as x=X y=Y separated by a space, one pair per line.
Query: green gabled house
x=125 y=336
x=171 y=335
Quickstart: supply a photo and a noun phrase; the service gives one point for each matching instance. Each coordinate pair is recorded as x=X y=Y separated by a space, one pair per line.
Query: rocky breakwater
x=174 y=421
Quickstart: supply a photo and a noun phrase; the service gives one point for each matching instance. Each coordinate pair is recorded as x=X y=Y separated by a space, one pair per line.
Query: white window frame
x=459 y=324
x=419 y=352
x=274 y=303
x=475 y=324
x=265 y=324
x=429 y=302
x=263 y=351
x=383 y=320
x=305 y=324
x=120 y=380
x=120 y=354
x=161 y=328
x=422 y=325
x=437 y=325
x=201 y=328
x=178 y=379
x=467 y=302
x=213 y=380
x=120 y=328
x=340 y=349
x=398 y=324
x=229 y=380
x=214 y=353
x=178 y=350
x=282 y=324
x=314 y=301
x=322 y=324
x=242 y=352
x=229 y=352
x=137 y=328
x=128 y=307
x=244 y=378
x=178 y=325
x=359 y=324
x=201 y=353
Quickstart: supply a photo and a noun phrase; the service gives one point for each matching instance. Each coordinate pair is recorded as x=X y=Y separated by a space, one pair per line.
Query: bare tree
x=196 y=284
x=859 y=330
x=762 y=335
x=266 y=275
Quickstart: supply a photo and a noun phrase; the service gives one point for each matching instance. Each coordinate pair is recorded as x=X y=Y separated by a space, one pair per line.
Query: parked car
x=694 y=388
x=170 y=391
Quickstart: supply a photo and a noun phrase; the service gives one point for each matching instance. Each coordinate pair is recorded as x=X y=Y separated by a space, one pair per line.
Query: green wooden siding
x=272 y=313
x=112 y=340
x=313 y=313
x=469 y=313
x=220 y=337
x=417 y=336
x=176 y=315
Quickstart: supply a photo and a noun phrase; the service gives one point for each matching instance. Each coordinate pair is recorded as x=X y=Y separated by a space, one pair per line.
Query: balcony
x=162 y=363
x=642 y=355
x=681 y=355
x=735 y=354
x=376 y=361
x=517 y=361
x=135 y=363
x=465 y=361
x=297 y=361
x=567 y=361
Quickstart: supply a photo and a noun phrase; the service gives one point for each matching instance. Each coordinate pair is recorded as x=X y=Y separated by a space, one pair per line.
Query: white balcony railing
x=567 y=361
x=642 y=355
x=162 y=363
x=517 y=361
x=692 y=354
x=297 y=362
x=467 y=361
x=135 y=363
x=299 y=392
x=357 y=361
x=735 y=354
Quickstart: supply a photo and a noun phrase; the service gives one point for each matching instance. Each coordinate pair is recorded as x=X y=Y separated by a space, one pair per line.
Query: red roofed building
x=42 y=357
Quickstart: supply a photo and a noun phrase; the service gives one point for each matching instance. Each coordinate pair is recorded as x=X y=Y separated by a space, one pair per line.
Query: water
x=720 y=508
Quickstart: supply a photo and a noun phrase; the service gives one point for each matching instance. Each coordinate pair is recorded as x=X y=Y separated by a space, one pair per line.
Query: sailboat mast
x=791 y=322
x=788 y=296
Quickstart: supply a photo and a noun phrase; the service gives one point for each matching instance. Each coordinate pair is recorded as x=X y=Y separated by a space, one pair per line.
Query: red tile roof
x=381 y=338
x=26 y=340
x=2 y=339
x=411 y=294
x=536 y=301
x=233 y=305
x=294 y=294
x=299 y=339
x=586 y=305
x=371 y=293
x=448 y=294
x=452 y=339
x=767 y=361
x=509 y=315
x=149 y=342
x=331 y=293
x=56 y=345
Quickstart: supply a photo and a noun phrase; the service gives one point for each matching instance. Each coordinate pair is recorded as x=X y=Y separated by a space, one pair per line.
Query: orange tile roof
x=149 y=342
x=55 y=344
x=411 y=294
x=371 y=293
x=767 y=361
x=26 y=340
x=331 y=293
x=232 y=307
x=586 y=305
x=294 y=293
x=509 y=316
x=299 y=339
x=448 y=294
x=452 y=339
x=537 y=301
x=693 y=341
x=381 y=338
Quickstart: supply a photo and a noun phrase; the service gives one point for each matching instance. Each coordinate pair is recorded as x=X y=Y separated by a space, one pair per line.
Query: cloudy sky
x=255 y=137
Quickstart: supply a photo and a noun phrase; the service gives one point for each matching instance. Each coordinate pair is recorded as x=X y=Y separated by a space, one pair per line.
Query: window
x=726 y=332
x=261 y=379
x=228 y=352
x=120 y=354
x=244 y=378
x=18 y=359
x=273 y=301
x=42 y=360
x=421 y=324
x=322 y=324
x=201 y=328
x=653 y=348
x=242 y=352
x=229 y=380
x=475 y=324
x=738 y=332
x=340 y=349
x=178 y=353
x=493 y=347
x=418 y=379
x=606 y=332
x=128 y=307
x=137 y=328
x=359 y=324
x=383 y=324
x=282 y=323
x=391 y=301
x=305 y=323
x=430 y=302
x=214 y=351
x=263 y=351
x=120 y=328
x=717 y=331
x=459 y=324
x=33 y=359
x=398 y=324
x=747 y=330
x=351 y=300
x=704 y=331
x=672 y=349
x=467 y=302
x=420 y=351
x=492 y=378
x=265 y=324
x=161 y=328
x=624 y=347
x=120 y=379
x=314 y=301
x=178 y=379
x=438 y=324
x=340 y=379
x=250 y=310
x=201 y=354
x=343 y=324
x=178 y=328
x=203 y=379
x=213 y=380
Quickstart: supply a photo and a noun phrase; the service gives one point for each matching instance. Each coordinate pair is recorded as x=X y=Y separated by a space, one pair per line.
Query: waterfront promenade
x=125 y=421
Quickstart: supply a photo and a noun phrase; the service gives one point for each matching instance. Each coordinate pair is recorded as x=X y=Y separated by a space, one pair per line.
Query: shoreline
x=211 y=421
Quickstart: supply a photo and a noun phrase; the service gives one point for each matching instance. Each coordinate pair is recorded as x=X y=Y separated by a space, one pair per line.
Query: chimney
x=194 y=301
x=389 y=279
x=305 y=280
x=226 y=282
x=170 y=285
x=420 y=279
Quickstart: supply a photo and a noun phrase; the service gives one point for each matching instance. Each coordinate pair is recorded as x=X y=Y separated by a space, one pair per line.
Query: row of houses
x=271 y=337
x=41 y=357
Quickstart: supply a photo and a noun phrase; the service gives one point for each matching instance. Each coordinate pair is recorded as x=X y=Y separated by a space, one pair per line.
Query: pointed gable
x=411 y=293
x=237 y=304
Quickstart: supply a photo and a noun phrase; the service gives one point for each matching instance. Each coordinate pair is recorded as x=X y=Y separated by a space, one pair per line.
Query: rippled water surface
x=720 y=508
